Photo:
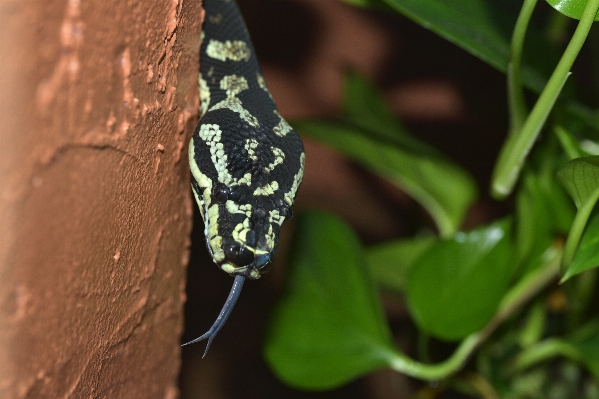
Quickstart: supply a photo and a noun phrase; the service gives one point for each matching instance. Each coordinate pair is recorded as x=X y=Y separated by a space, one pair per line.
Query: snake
x=246 y=161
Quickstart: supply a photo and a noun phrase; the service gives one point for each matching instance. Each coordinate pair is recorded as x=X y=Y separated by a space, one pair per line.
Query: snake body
x=246 y=161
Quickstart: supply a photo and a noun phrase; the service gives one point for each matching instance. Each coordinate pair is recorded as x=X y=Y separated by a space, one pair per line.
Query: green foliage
x=580 y=178
x=330 y=321
x=570 y=8
x=490 y=292
x=470 y=271
x=377 y=141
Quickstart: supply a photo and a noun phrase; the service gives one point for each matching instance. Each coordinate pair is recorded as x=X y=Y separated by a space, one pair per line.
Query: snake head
x=245 y=189
x=242 y=229
x=242 y=219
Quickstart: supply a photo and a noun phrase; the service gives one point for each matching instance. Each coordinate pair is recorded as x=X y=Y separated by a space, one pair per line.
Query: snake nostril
x=238 y=255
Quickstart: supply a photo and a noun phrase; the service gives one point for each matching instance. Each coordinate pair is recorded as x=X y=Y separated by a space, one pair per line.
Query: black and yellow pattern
x=246 y=161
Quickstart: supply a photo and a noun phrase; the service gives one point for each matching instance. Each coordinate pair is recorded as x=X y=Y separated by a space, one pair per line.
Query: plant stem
x=542 y=351
x=516 y=103
x=518 y=145
x=575 y=233
x=528 y=287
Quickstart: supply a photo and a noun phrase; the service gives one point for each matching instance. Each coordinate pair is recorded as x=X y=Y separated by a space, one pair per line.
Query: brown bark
x=97 y=102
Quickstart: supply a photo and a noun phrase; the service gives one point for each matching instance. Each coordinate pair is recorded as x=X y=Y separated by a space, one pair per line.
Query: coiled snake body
x=246 y=161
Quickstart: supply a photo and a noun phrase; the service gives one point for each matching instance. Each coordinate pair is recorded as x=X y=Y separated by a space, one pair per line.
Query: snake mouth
x=246 y=261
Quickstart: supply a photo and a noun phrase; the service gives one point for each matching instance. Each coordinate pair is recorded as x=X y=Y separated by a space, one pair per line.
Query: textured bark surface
x=98 y=101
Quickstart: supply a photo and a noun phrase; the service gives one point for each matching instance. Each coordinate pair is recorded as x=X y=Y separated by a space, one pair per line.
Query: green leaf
x=329 y=327
x=544 y=212
x=442 y=188
x=534 y=228
x=455 y=287
x=391 y=262
x=570 y=8
x=580 y=178
x=519 y=143
x=587 y=256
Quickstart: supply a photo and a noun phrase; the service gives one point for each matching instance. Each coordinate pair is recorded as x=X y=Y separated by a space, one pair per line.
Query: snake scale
x=246 y=161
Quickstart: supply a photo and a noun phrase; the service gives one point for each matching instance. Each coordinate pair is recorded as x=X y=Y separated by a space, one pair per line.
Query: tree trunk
x=98 y=100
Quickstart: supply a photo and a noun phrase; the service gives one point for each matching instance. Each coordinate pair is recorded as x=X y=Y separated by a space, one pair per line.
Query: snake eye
x=220 y=193
x=237 y=255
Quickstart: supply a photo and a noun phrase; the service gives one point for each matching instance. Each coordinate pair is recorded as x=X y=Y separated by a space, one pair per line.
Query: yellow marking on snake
x=275 y=217
x=279 y=158
x=262 y=84
x=234 y=104
x=204 y=96
x=235 y=50
x=267 y=189
x=211 y=134
x=233 y=85
x=250 y=146
x=283 y=127
x=297 y=179
x=211 y=230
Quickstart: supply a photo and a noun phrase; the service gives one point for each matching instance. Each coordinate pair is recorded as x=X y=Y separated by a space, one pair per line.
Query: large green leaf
x=580 y=178
x=329 y=327
x=571 y=8
x=455 y=287
x=391 y=262
x=441 y=187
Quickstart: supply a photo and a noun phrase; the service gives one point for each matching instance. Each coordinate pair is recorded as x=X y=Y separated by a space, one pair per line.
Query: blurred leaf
x=391 y=262
x=329 y=327
x=586 y=341
x=373 y=4
x=455 y=287
x=534 y=230
x=580 y=178
x=569 y=143
x=587 y=256
x=442 y=188
x=366 y=108
x=570 y=8
x=544 y=212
